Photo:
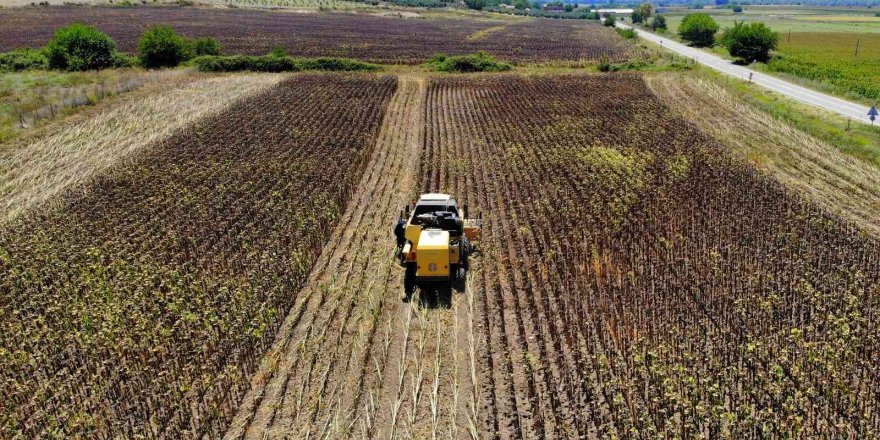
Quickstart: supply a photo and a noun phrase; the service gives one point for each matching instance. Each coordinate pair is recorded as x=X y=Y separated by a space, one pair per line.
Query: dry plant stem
x=834 y=180
x=36 y=173
x=330 y=382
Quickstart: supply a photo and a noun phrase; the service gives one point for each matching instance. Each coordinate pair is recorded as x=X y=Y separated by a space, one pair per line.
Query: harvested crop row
x=48 y=165
x=141 y=305
x=636 y=280
x=821 y=172
x=368 y=37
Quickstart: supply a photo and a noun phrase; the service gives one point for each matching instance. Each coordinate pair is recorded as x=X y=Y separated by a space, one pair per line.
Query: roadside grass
x=852 y=137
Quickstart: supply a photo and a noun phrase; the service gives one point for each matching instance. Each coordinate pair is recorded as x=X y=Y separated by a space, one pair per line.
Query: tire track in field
x=310 y=383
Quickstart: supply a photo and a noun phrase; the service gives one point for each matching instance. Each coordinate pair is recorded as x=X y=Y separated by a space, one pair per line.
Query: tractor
x=435 y=240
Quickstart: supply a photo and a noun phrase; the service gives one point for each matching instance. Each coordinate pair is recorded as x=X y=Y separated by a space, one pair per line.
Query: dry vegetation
x=367 y=37
x=822 y=173
x=638 y=280
x=41 y=167
x=140 y=306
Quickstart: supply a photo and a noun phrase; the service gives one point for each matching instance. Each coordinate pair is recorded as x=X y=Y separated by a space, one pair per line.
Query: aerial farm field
x=382 y=39
x=214 y=258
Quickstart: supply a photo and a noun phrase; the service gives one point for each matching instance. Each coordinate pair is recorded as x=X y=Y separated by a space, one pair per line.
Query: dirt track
x=351 y=359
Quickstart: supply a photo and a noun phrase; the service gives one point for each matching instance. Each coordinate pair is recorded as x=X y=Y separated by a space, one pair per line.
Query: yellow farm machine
x=435 y=240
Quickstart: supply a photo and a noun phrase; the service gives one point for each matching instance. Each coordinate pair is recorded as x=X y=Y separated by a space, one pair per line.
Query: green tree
x=568 y=7
x=80 y=47
x=737 y=9
x=750 y=42
x=699 y=29
x=205 y=46
x=475 y=4
x=645 y=10
x=160 y=46
x=658 y=23
x=637 y=17
x=609 y=20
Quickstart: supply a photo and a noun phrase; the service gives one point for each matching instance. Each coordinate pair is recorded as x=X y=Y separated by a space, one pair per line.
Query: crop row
x=368 y=37
x=142 y=303
x=638 y=282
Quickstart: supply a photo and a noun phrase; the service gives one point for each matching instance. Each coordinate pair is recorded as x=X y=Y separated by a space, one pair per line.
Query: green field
x=791 y=18
x=830 y=58
x=817 y=45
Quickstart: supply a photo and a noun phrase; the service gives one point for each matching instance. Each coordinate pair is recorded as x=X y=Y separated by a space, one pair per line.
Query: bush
x=699 y=29
x=22 y=59
x=336 y=64
x=750 y=42
x=235 y=63
x=478 y=62
x=274 y=63
x=122 y=60
x=877 y=14
x=160 y=46
x=205 y=46
x=475 y=4
x=627 y=33
x=658 y=23
x=737 y=9
x=80 y=47
x=609 y=21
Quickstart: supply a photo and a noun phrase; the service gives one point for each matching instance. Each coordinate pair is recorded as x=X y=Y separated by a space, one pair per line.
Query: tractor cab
x=434 y=238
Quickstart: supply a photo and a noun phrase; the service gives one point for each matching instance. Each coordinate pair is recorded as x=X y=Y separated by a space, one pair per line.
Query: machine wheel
x=464 y=251
x=409 y=281
x=458 y=277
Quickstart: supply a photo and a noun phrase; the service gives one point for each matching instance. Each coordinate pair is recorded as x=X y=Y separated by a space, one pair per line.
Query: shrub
x=337 y=64
x=160 y=46
x=658 y=23
x=122 y=60
x=205 y=46
x=699 y=29
x=80 y=47
x=627 y=33
x=609 y=21
x=235 y=63
x=478 y=62
x=737 y=9
x=877 y=14
x=475 y=4
x=22 y=59
x=750 y=42
x=274 y=63
x=278 y=51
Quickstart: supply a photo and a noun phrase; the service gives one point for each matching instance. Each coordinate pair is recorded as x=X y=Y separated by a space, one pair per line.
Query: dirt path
x=352 y=359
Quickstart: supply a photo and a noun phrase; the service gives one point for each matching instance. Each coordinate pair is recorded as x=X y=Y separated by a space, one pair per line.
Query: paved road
x=847 y=109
